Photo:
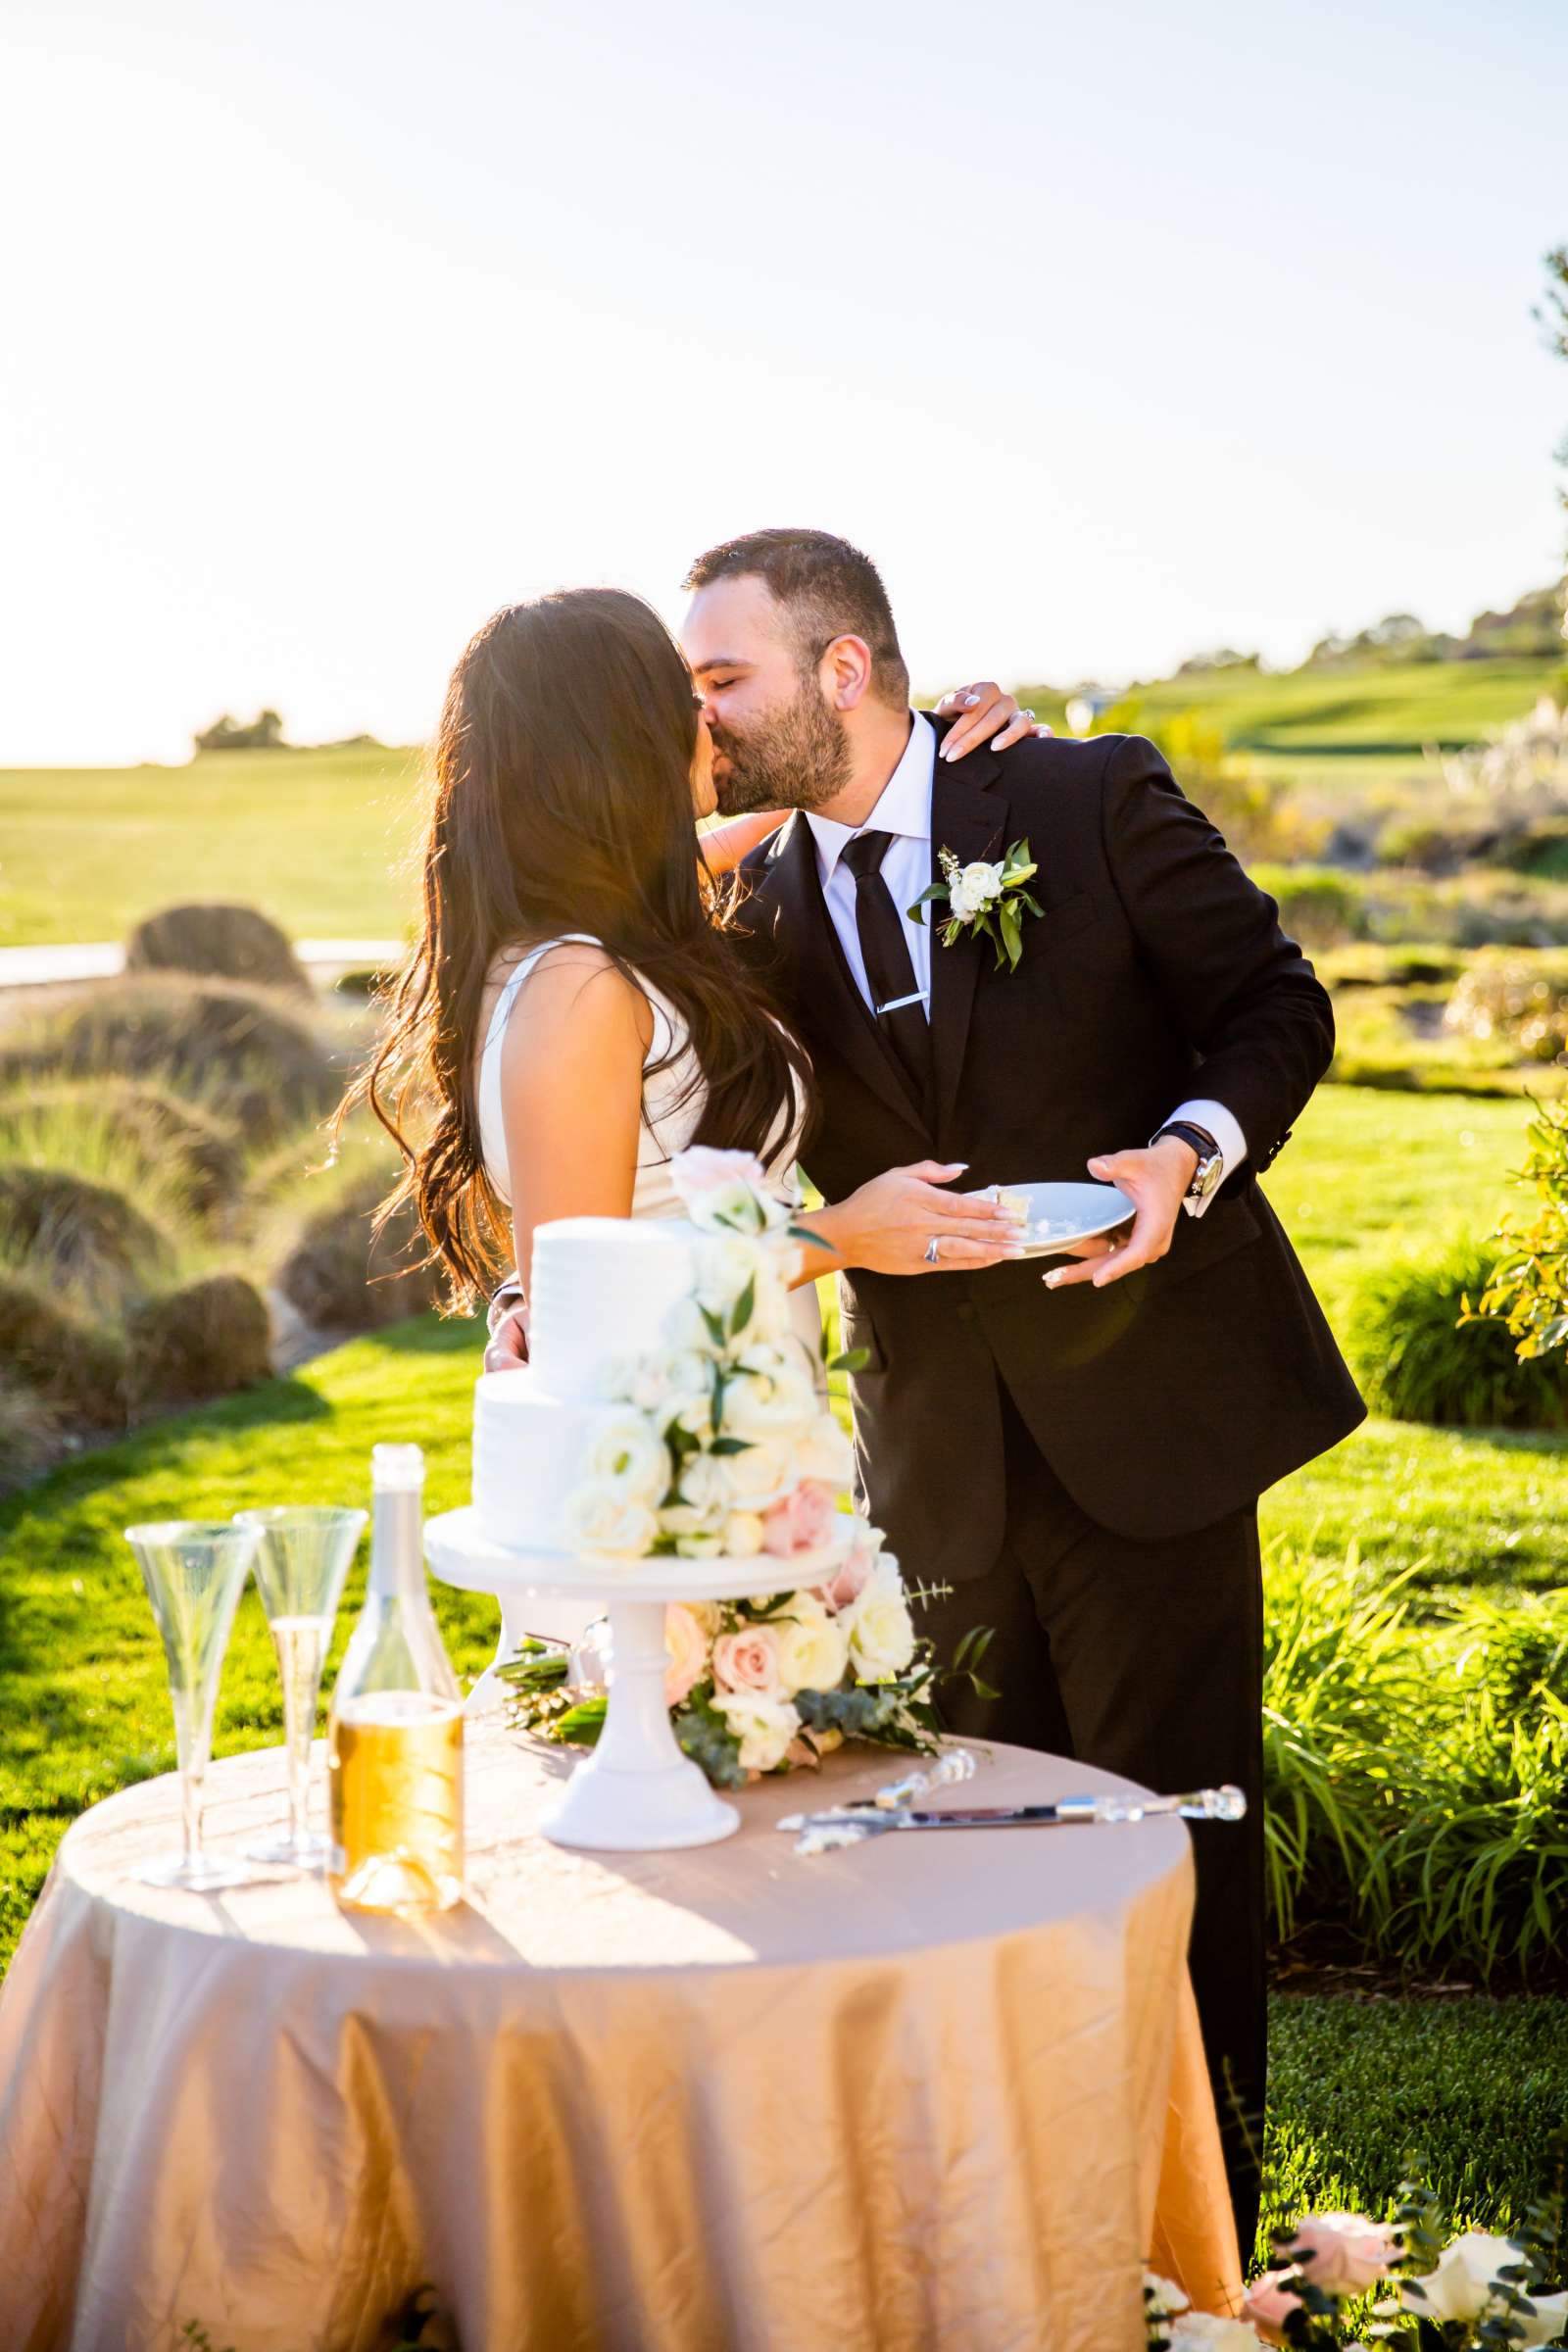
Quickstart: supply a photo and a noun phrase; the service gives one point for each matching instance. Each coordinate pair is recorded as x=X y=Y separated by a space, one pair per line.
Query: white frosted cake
x=603 y=1291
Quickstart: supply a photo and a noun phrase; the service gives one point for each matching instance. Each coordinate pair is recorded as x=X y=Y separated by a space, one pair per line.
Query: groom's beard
x=794 y=756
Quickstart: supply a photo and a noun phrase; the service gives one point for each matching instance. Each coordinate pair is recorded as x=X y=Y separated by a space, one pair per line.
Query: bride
x=575 y=1010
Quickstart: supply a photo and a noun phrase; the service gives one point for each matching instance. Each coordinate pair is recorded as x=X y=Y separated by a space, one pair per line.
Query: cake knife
x=848 y=1824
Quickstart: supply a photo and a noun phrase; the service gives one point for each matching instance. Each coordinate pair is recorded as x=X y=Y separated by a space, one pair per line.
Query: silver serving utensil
x=848 y=1825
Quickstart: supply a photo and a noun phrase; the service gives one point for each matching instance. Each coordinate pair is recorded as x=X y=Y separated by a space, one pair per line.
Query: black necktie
x=889 y=971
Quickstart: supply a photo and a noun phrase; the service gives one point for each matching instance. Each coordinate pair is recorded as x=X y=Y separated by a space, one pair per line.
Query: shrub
x=328 y=1271
x=1319 y=905
x=258 y=1060
x=228 y=943
x=130 y=1130
x=1420 y=1361
x=89 y=1237
x=203 y=1339
x=72 y=1359
x=30 y=1436
x=1529 y=1287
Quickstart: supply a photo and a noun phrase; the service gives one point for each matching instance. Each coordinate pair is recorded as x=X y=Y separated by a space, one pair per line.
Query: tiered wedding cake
x=603 y=1289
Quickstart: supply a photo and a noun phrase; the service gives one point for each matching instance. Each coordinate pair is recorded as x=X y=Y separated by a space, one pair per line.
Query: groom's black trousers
x=1147 y=1659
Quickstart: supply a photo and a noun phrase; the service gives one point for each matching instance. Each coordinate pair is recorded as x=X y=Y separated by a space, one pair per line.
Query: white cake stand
x=636 y=1792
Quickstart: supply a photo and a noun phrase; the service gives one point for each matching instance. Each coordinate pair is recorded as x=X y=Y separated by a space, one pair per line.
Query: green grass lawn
x=319 y=837
x=317 y=840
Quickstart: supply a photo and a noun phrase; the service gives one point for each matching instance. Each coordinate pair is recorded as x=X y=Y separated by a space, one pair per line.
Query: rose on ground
x=804 y=1521
x=763 y=1726
x=686 y=1649
x=1466 y=2286
x=1269 y=2303
x=1343 y=2253
x=812 y=1652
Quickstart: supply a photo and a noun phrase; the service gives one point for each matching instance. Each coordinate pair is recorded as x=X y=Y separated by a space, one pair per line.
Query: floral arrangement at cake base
x=729 y=1448
x=1476 y=2292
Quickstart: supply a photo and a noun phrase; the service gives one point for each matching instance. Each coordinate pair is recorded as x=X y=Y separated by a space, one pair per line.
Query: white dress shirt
x=905 y=811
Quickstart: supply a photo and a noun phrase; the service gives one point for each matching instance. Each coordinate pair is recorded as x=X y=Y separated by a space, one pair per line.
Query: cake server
x=848 y=1825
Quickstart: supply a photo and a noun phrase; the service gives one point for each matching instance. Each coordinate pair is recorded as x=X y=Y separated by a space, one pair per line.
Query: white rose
x=1214 y=2334
x=707 y=1484
x=813 y=1651
x=726 y=1264
x=981 y=882
x=605 y=1522
x=689 y=1399
x=764 y=1727
x=763 y=1474
x=1466 y=2286
x=962 y=901
x=825 y=1452
x=686 y=1334
x=770 y=1397
x=743 y=1534
x=880 y=1630
x=734 y=1207
x=629 y=1456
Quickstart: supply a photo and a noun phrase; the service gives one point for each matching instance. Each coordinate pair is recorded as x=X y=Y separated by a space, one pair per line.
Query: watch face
x=1209 y=1176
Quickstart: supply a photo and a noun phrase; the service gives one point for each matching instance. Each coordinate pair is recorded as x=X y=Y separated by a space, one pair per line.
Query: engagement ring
x=931 y=1250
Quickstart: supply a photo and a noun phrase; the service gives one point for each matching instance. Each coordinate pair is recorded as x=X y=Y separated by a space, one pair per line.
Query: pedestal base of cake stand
x=635 y=1792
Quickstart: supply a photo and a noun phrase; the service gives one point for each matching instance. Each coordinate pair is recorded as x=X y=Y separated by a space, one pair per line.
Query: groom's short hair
x=827 y=588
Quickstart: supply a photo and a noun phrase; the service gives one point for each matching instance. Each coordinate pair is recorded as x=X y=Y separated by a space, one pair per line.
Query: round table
x=935 y=2089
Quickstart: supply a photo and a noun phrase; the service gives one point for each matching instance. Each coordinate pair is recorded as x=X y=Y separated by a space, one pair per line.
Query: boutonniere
x=986 y=899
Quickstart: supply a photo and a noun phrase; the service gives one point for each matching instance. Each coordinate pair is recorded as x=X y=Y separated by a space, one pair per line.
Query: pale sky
x=1112 y=331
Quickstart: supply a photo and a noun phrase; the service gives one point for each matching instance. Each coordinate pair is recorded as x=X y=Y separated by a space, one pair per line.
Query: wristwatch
x=1210 y=1173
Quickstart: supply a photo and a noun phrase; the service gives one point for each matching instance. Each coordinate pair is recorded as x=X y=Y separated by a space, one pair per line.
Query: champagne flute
x=194 y=1570
x=301 y=1564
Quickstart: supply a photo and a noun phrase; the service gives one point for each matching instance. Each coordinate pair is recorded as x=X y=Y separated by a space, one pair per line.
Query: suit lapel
x=969 y=818
x=821 y=982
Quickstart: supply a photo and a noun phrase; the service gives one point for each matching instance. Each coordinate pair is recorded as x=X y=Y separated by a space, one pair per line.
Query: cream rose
x=764 y=1727
x=980 y=882
x=686 y=1649
x=763 y=1474
x=743 y=1534
x=1466 y=2286
x=812 y=1650
x=879 y=1627
x=824 y=1452
x=768 y=1395
x=1195 y=2329
x=605 y=1522
x=629 y=1455
x=748 y=1660
x=727 y=1264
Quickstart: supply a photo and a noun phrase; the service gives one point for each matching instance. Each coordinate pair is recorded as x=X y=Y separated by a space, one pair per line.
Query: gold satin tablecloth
x=940 y=2090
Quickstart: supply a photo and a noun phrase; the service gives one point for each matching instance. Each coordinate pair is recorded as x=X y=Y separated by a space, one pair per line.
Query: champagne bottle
x=395 y=1737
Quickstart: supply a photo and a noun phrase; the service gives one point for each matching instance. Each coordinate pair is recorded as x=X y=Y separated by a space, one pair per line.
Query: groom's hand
x=1156 y=1181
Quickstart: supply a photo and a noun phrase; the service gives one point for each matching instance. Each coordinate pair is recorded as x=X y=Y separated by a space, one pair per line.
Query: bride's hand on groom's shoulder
x=983 y=713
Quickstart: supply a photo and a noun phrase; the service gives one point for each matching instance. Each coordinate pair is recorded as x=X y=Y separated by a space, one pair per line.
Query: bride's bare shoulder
x=575 y=985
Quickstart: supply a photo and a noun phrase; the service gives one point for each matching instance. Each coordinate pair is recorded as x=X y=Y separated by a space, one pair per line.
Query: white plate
x=1063 y=1214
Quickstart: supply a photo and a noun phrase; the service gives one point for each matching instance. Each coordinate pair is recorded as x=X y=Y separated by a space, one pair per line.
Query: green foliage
x=265 y=733
x=1529 y=1283
x=1522 y=998
x=1420 y=1356
x=1319 y=906
x=137 y=1133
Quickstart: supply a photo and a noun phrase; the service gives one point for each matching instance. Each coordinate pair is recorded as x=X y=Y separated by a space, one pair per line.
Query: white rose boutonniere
x=986 y=900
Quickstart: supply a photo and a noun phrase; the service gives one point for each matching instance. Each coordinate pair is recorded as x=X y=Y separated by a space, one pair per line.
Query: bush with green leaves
x=1528 y=1288
x=1421 y=1355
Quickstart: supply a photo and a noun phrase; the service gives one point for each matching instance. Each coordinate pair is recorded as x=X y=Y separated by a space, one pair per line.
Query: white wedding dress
x=673 y=1100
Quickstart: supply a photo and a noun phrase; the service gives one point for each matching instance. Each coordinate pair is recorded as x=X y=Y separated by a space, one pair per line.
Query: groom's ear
x=845 y=672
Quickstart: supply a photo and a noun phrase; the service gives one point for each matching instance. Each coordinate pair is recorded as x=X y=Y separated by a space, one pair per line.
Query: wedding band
x=1026 y=715
x=931 y=1250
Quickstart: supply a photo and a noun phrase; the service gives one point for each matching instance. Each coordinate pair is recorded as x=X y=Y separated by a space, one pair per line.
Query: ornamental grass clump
x=1422 y=1356
x=69 y=1358
x=228 y=943
x=88 y=1238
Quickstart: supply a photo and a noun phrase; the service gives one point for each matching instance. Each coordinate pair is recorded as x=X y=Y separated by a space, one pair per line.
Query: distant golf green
x=321 y=840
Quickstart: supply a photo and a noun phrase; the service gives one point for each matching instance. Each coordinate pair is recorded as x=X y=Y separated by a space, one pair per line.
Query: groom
x=1076 y=1450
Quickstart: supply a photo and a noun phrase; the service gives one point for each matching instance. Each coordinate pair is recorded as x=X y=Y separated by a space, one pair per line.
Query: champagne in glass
x=193 y=1570
x=300 y=1568
x=395 y=1740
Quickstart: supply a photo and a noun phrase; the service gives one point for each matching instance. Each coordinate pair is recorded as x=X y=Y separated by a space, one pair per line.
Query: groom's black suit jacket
x=1175 y=1396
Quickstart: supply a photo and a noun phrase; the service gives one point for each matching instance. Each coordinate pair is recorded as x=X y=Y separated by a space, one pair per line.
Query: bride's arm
x=572 y=1080
x=723 y=846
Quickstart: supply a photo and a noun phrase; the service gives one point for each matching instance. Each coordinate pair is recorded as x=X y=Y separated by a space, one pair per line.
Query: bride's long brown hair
x=562 y=803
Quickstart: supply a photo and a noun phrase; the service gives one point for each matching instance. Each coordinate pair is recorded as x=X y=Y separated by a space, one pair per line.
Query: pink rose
x=748 y=1661
x=1268 y=2304
x=804 y=1521
x=703 y=1169
x=686 y=1649
x=1349 y=2253
x=852 y=1578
